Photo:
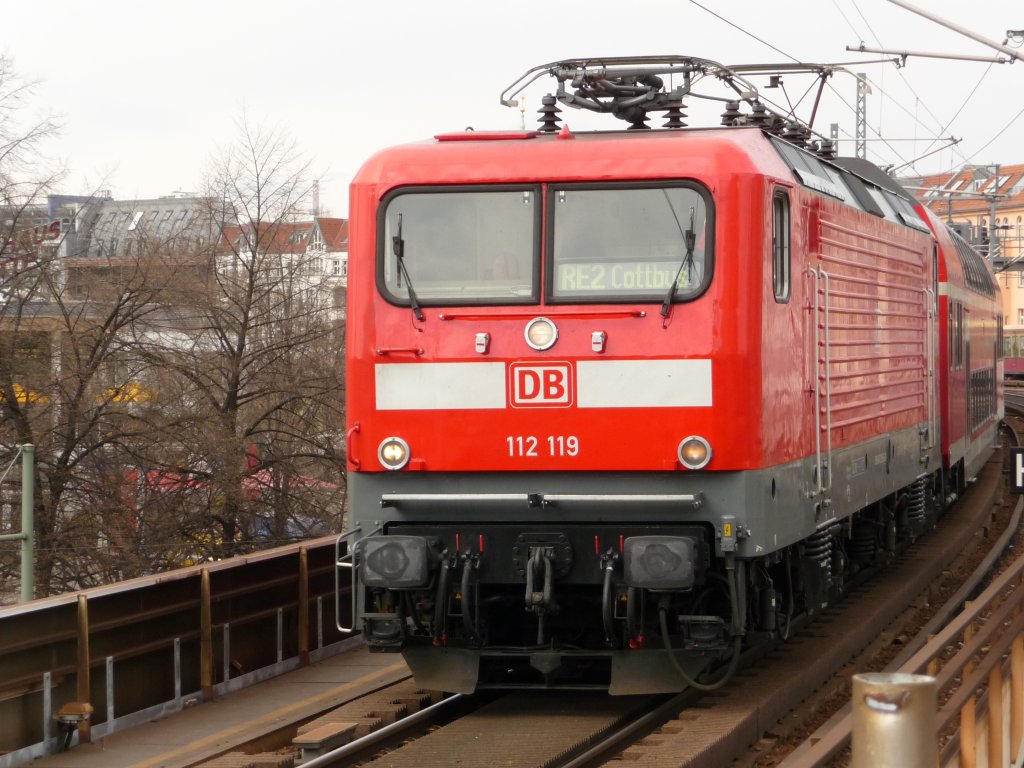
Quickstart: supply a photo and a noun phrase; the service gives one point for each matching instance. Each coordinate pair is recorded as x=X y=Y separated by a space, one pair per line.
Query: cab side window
x=780 y=246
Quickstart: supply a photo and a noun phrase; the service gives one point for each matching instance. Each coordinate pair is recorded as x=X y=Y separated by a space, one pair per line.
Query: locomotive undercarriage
x=630 y=608
x=513 y=607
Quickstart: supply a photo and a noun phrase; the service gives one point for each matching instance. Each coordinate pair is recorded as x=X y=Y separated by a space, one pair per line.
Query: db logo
x=541 y=386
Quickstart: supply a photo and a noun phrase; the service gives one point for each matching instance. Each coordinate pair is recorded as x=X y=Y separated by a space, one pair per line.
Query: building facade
x=314 y=253
x=985 y=204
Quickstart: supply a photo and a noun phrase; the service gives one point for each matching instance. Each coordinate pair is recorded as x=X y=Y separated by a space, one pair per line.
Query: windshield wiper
x=398 y=246
x=690 y=238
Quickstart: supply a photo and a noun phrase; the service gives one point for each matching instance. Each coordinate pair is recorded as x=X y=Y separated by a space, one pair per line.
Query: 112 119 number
x=530 y=445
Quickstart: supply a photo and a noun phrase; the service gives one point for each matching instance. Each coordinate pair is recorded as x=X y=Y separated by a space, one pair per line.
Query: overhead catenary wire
x=936 y=135
x=778 y=50
x=744 y=31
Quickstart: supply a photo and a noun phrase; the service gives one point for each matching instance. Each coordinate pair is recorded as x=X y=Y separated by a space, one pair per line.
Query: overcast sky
x=148 y=91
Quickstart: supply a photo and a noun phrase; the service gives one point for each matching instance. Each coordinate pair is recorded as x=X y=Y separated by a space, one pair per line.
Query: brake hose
x=737 y=641
x=606 y=608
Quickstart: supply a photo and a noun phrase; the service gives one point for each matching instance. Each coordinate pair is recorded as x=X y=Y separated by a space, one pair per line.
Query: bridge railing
x=128 y=652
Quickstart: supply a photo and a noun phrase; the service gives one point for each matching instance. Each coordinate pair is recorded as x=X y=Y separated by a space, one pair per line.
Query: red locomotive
x=619 y=400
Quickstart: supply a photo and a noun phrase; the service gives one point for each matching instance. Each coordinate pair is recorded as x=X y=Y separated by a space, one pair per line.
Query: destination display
x=620 y=277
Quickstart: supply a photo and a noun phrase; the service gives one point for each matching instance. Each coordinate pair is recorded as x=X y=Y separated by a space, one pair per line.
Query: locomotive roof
x=524 y=156
x=871 y=172
x=531 y=156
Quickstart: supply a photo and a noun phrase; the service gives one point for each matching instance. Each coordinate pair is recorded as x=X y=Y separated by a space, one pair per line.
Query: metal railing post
x=83 y=687
x=995 y=716
x=1016 y=695
x=894 y=721
x=968 y=715
x=303 y=618
x=47 y=712
x=205 y=636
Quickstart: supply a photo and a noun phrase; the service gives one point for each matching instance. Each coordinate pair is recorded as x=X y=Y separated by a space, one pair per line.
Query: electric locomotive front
x=556 y=370
x=618 y=400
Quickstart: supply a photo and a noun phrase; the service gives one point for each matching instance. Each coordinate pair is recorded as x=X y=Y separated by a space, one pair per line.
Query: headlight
x=659 y=562
x=694 y=452
x=541 y=333
x=393 y=453
x=395 y=562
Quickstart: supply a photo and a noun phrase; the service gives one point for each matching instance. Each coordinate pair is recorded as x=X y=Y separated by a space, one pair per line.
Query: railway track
x=782 y=693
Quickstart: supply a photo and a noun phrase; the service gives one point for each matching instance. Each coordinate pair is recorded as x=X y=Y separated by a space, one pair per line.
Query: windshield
x=462 y=247
x=628 y=243
x=613 y=243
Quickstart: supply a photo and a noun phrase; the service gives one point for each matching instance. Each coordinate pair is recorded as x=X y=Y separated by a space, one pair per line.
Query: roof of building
x=335 y=232
x=288 y=237
x=969 y=190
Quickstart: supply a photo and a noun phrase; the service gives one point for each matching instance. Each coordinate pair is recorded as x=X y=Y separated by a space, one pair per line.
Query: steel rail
x=381 y=735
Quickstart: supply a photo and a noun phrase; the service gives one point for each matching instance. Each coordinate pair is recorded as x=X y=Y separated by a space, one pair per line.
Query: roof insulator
x=636 y=116
x=732 y=113
x=759 y=115
x=548 y=115
x=793 y=133
x=674 y=114
x=827 y=149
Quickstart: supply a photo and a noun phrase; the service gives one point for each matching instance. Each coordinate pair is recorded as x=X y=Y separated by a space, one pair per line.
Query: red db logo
x=541 y=386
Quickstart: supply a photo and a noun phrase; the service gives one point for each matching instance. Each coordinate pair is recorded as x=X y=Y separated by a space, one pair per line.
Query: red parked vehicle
x=620 y=402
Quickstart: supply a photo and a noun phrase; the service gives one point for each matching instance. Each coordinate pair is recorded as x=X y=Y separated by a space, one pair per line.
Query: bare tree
x=261 y=373
x=183 y=393
x=69 y=399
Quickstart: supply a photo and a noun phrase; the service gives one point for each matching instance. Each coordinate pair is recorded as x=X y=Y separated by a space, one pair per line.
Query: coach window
x=629 y=243
x=461 y=245
x=780 y=245
x=959 y=335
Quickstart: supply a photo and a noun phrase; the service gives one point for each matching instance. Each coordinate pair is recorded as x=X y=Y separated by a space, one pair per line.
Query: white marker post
x=1017 y=475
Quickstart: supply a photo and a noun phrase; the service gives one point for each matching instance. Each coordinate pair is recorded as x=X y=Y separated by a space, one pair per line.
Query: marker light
x=541 y=333
x=694 y=452
x=393 y=453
